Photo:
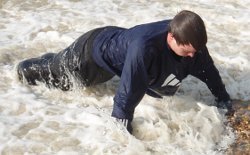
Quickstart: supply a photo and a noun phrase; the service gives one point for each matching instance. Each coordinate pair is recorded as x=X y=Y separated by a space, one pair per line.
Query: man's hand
x=126 y=123
x=226 y=105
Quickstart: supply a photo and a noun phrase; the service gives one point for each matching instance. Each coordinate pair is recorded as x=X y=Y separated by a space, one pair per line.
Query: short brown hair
x=188 y=28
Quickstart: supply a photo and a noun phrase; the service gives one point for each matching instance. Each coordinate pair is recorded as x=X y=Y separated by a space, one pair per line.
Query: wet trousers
x=62 y=70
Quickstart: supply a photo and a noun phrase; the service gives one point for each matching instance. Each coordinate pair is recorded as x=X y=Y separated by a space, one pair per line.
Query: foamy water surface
x=38 y=120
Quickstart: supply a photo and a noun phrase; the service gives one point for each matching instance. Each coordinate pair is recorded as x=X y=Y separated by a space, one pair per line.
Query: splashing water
x=38 y=120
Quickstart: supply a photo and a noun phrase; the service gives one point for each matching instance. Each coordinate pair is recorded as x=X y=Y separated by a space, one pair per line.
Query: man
x=150 y=59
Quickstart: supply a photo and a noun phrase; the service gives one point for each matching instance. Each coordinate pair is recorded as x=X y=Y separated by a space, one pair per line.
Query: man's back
x=112 y=44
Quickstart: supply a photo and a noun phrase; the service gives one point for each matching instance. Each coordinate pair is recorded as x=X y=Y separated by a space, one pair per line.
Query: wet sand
x=240 y=123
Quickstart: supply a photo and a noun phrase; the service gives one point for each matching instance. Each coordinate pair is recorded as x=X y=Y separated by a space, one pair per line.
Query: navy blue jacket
x=145 y=63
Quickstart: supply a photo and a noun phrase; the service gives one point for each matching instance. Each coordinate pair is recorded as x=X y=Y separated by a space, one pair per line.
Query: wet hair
x=188 y=28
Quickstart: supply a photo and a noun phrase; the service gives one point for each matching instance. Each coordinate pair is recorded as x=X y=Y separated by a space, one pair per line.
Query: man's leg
x=58 y=70
x=38 y=69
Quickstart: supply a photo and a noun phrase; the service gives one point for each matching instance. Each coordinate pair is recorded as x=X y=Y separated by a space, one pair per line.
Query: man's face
x=181 y=50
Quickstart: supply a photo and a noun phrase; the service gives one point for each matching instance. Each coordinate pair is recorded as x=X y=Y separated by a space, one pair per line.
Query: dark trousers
x=73 y=65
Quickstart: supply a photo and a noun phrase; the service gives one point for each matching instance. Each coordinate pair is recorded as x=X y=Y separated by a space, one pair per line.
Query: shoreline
x=240 y=122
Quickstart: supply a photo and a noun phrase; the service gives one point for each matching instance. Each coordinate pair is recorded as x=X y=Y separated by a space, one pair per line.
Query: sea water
x=38 y=120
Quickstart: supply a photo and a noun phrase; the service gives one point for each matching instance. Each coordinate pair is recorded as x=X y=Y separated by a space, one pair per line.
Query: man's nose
x=191 y=54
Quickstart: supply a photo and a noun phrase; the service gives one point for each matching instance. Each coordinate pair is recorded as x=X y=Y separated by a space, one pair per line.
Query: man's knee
x=23 y=71
x=37 y=69
x=48 y=56
x=30 y=70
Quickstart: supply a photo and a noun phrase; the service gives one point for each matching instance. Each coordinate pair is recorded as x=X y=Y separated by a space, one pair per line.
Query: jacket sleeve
x=133 y=83
x=203 y=68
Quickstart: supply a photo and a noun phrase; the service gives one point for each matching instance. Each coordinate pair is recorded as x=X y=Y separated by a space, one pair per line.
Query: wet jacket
x=142 y=59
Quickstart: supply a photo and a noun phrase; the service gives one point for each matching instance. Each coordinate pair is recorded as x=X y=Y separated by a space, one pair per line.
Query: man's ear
x=170 y=36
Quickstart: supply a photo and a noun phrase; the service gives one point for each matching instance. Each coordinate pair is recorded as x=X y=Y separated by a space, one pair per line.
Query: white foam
x=36 y=120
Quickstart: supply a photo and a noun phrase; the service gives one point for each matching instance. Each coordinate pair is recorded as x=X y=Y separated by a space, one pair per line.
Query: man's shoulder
x=149 y=28
x=155 y=23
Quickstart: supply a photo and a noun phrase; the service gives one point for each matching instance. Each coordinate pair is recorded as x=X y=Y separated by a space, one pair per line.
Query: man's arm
x=203 y=68
x=133 y=84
